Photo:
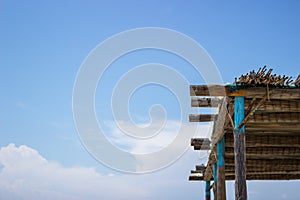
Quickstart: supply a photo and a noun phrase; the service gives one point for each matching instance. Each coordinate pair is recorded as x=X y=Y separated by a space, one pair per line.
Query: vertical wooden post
x=221 y=188
x=215 y=181
x=207 y=190
x=239 y=150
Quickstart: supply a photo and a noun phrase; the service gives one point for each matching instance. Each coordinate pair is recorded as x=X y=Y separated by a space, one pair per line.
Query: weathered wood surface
x=270 y=126
x=218 y=127
x=257 y=117
x=207 y=190
x=195 y=178
x=277 y=105
x=251 y=92
x=267 y=151
x=239 y=150
x=202 y=117
x=267 y=140
x=265 y=168
x=200 y=143
x=268 y=177
x=205 y=102
x=200 y=167
x=212 y=159
x=221 y=187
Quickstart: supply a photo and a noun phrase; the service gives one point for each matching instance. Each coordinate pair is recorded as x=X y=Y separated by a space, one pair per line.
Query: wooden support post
x=207 y=190
x=239 y=150
x=221 y=189
x=215 y=181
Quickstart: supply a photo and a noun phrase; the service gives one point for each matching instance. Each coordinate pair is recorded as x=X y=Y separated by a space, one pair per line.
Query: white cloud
x=27 y=175
x=162 y=139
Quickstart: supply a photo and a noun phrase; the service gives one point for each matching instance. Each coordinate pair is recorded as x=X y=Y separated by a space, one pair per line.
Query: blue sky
x=43 y=44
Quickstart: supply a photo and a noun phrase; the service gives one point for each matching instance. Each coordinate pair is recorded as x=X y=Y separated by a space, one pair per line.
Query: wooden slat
x=269 y=177
x=267 y=151
x=275 y=117
x=205 y=102
x=269 y=168
x=267 y=141
x=277 y=105
x=269 y=132
x=269 y=126
x=195 y=178
x=267 y=156
x=268 y=173
x=275 y=162
x=202 y=117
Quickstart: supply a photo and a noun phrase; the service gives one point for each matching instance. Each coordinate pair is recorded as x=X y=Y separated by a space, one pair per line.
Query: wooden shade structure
x=259 y=126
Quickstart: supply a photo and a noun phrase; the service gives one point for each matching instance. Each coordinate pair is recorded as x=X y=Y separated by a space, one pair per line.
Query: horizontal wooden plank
x=207 y=90
x=202 y=148
x=200 y=143
x=276 y=127
x=205 y=102
x=196 y=172
x=269 y=132
x=267 y=156
x=202 y=117
x=268 y=173
x=266 y=141
x=262 y=117
x=267 y=177
x=195 y=178
x=250 y=92
x=268 y=168
x=276 y=163
x=200 y=167
x=277 y=105
x=267 y=151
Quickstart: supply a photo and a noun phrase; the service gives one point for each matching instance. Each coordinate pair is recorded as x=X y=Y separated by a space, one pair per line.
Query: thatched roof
x=272 y=126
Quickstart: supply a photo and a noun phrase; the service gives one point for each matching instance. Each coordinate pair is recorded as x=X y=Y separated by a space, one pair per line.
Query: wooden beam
x=250 y=92
x=205 y=102
x=215 y=182
x=200 y=143
x=208 y=174
x=221 y=188
x=195 y=178
x=218 y=128
x=200 y=168
x=207 y=190
x=239 y=151
x=207 y=90
x=202 y=117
